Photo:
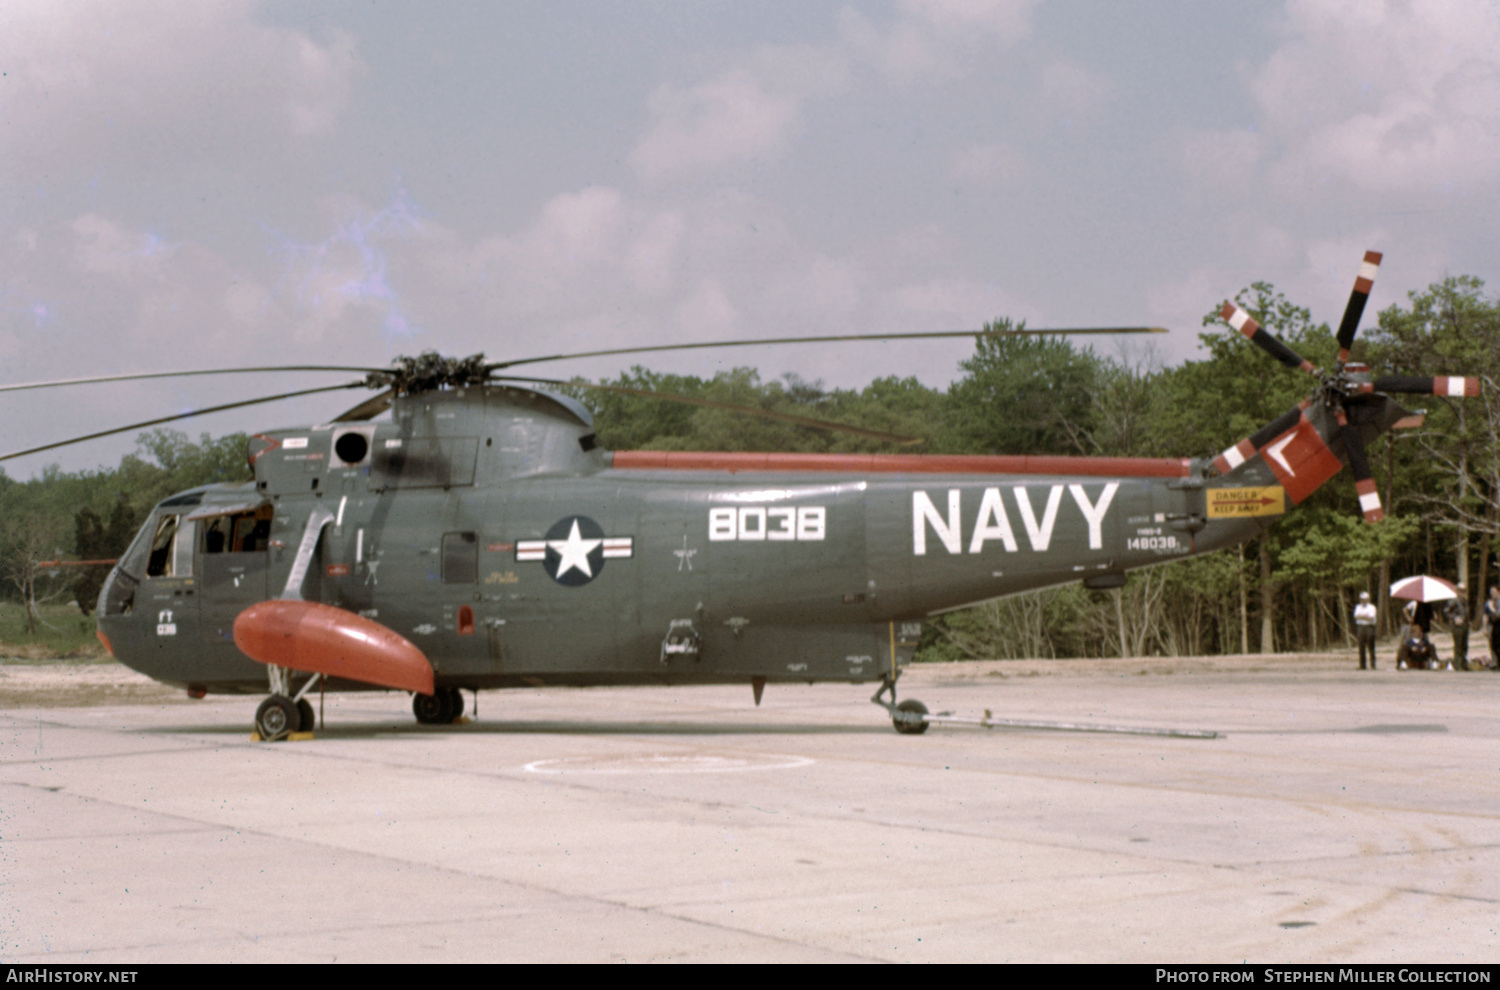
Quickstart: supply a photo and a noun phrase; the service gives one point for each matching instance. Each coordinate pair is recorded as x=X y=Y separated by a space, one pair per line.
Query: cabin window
x=238 y=532
x=460 y=558
x=172 y=548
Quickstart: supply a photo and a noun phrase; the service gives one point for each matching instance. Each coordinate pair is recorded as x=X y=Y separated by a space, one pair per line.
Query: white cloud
x=708 y=312
x=652 y=259
x=1008 y=21
x=161 y=80
x=1385 y=95
x=727 y=118
x=753 y=109
x=933 y=39
x=947 y=303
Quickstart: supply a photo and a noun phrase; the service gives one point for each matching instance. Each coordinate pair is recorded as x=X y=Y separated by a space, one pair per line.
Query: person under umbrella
x=1417 y=651
x=1420 y=591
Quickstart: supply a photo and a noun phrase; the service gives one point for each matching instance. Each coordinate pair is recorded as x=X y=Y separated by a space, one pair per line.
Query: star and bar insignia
x=574 y=550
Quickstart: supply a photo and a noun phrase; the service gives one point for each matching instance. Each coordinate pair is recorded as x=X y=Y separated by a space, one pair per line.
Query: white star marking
x=1276 y=449
x=574 y=552
x=684 y=556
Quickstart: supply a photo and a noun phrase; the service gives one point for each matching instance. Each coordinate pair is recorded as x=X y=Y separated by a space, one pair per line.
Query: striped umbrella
x=1423 y=589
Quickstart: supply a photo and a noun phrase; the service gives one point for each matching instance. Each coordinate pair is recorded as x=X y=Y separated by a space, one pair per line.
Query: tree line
x=1291 y=590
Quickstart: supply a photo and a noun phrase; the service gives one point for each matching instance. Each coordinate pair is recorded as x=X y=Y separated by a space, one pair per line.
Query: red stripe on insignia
x=1103 y=467
x=1366 y=487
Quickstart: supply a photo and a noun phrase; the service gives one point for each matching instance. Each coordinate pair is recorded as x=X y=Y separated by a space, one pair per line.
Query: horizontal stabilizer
x=321 y=639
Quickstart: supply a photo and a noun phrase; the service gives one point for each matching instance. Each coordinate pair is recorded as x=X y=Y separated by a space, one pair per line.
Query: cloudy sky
x=226 y=182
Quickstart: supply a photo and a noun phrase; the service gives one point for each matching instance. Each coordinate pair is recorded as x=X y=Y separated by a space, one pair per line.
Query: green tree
x=96 y=539
x=1451 y=474
x=903 y=407
x=1022 y=395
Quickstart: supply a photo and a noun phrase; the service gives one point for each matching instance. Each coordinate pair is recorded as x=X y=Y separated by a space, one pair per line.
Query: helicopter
x=481 y=538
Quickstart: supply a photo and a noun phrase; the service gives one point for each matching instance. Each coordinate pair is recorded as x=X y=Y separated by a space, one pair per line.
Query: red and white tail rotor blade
x=1357 y=299
x=1359 y=465
x=1247 y=448
x=1449 y=385
x=1242 y=321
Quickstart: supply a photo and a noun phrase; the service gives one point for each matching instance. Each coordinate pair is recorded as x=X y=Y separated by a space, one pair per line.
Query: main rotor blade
x=837 y=338
x=187 y=374
x=169 y=419
x=1357 y=299
x=1242 y=321
x=817 y=424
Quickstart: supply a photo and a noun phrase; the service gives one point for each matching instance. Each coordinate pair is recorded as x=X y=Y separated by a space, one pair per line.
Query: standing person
x=1456 y=613
x=1419 y=614
x=1364 y=629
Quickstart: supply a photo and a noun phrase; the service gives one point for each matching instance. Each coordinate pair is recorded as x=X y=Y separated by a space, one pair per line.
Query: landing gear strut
x=440 y=708
x=909 y=717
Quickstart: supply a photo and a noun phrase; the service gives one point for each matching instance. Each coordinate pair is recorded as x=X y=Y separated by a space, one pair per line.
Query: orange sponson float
x=321 y=639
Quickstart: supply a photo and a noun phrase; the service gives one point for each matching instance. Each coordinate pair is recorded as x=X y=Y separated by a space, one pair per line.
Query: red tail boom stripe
x=1104 y=467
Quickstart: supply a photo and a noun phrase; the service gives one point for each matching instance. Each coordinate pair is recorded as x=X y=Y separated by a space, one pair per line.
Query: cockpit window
x=172 y=548
x=160 y=564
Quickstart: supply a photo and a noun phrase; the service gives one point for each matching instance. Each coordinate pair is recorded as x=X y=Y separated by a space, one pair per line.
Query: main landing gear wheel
x=306 y=715
x=441 y=708
x=910 y=727
x=277 y=716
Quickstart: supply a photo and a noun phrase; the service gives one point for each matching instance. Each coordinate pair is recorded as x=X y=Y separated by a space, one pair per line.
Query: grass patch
x=63 y=634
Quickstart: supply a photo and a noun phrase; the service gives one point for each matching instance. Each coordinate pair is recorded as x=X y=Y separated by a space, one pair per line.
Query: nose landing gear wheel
x=910 y=727
x=277 y=716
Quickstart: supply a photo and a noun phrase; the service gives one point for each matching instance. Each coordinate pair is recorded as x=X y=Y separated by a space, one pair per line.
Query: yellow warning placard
x=1228 y=503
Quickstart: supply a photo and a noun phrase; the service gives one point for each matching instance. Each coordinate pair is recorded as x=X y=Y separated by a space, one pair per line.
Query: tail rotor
x=1357 y=405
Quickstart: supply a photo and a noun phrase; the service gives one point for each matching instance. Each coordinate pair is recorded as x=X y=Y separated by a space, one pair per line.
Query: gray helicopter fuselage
x=486 y=526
